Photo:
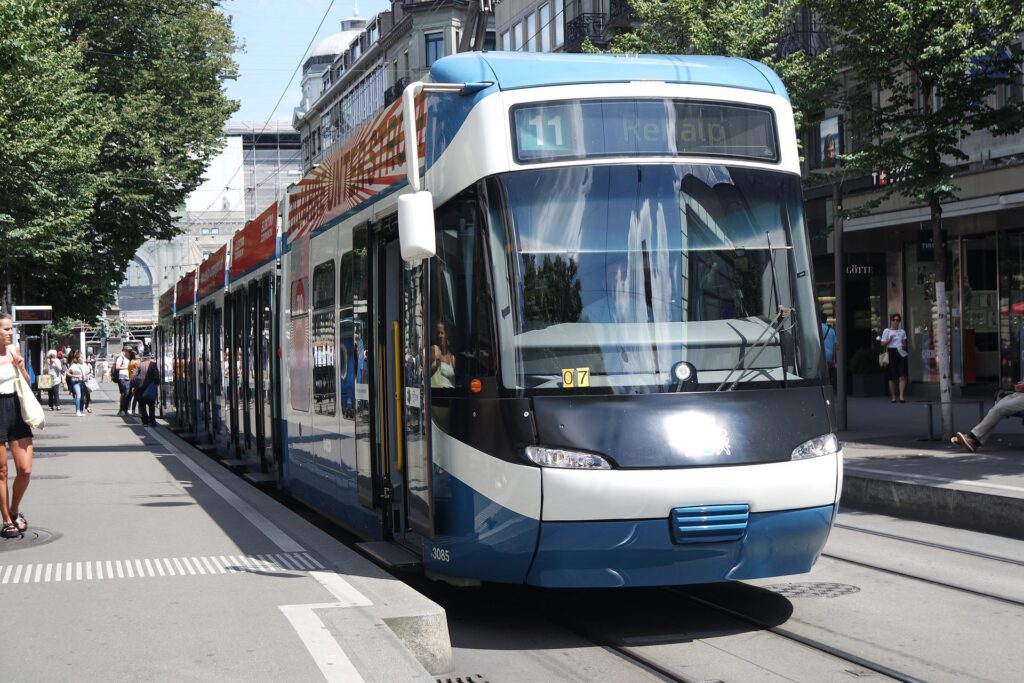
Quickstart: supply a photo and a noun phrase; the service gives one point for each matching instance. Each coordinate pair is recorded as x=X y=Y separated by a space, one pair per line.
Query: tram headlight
x=826 y=444
x=565 y=459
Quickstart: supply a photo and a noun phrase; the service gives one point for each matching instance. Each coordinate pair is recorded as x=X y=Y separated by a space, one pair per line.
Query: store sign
x=926 y=245
x=853 y=269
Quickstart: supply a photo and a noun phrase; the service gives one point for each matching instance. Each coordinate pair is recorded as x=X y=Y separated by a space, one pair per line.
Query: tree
x=159 y=67
x=50 y=134
x=929 y=68
x=738 y=28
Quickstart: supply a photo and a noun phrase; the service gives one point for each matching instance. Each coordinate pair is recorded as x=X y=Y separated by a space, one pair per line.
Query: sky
x=275 y=35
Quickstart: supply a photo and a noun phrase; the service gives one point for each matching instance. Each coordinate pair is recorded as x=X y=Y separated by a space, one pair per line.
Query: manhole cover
x=33 y=537
x=812 y=589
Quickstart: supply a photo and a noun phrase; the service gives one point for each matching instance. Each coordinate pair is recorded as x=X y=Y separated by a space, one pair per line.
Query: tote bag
x=31 y=411
x=883 y=358
x=46 y=381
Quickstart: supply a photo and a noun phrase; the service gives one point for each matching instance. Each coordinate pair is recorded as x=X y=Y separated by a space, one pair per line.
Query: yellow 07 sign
x=575 y=377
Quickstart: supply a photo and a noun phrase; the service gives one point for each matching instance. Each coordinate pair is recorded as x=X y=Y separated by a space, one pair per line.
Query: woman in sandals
x=15 y=434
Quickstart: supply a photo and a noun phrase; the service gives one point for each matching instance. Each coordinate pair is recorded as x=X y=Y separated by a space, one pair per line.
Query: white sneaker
x=79 y=414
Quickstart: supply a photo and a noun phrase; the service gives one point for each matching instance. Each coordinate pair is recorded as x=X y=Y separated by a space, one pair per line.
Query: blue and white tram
x=574 y=389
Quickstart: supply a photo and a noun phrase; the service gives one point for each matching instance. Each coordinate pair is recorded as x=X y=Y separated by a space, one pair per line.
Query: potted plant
x=865 y=374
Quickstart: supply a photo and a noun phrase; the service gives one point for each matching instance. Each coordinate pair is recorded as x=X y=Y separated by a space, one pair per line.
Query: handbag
x=883 y=358
x=31 y=411
x=149 y=393
x=91 y=384
x=45 y=381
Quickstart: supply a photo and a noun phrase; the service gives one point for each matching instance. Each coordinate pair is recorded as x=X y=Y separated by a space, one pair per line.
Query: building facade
x=353 y=74
x=252 y=171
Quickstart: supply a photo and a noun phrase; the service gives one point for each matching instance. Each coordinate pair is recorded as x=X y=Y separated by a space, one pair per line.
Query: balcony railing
x=588 y=25
x=395 y=91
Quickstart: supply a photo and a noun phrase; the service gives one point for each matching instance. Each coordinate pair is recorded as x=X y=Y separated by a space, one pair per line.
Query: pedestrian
x=133 y=369
x=90 y=376
x=146 y=384
x=15 y=434
x=828 y=340
x=894 y=339
x=1007 y=406
x=121 y=368
x=76 y=381
x=55 y=369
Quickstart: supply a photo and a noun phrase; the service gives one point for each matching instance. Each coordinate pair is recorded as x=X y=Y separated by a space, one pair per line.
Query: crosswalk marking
x=209 y=565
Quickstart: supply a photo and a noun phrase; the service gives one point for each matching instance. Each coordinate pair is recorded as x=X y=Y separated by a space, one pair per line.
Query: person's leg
x=122 y=386
x=5 y=510
x=56 y=396
x=892 y=389
x=146 y=411
x=21 y=449
x=1006 y=406
x=49 y=397
x=76 y=391
x=903 y=387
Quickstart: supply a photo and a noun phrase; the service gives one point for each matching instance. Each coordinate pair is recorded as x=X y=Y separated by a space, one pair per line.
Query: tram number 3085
x=440 y=554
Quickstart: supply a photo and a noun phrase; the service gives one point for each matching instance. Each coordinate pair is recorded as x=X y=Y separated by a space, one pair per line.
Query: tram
x=545 y=354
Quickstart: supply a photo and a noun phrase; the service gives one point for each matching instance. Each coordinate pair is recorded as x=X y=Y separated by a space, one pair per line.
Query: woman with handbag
x=147 y=382
x=894 y=341
x=15 y=433
x=76 y=381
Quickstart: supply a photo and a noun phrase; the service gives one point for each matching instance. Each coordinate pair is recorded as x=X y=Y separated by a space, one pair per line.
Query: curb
x=984 y=512
x=411 y=619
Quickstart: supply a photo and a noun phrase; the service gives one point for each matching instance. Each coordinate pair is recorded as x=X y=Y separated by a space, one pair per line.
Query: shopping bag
x=883 y=358
x=46 y=381
x=31 y=411
x=91 y=384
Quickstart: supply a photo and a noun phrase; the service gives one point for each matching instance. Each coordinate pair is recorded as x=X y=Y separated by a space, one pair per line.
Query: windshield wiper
x=761 y=343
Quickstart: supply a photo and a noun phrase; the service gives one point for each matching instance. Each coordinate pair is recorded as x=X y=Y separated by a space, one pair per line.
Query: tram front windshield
x=608 y=277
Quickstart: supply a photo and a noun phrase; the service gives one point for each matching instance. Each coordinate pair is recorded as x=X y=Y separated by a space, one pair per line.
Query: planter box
x=867 y=385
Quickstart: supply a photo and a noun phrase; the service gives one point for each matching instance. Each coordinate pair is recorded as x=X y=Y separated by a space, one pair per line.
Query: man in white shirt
x=121 y=365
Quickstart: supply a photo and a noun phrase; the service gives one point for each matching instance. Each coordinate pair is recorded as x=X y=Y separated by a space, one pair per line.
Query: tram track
x=930 y=544
x=812 y=643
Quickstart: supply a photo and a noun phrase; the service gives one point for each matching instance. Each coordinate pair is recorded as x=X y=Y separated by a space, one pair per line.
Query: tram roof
x=514 y=70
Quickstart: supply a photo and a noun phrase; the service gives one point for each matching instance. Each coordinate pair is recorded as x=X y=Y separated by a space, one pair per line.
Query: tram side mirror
x=416 y=226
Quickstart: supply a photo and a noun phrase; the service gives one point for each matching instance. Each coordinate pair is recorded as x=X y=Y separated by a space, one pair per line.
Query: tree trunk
x=941 y=320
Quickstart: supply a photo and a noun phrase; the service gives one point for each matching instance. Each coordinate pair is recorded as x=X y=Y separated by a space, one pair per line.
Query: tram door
x=403 y=417
x=263 y=370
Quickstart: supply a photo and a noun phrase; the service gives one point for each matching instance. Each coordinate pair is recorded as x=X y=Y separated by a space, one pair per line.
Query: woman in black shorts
x=14 y=432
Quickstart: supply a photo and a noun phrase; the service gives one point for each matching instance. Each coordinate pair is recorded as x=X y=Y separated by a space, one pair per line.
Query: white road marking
x=102 y=570
x=270 y=530
x=332 y=661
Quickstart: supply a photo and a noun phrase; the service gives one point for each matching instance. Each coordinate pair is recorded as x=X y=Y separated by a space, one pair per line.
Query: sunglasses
x=896 y=320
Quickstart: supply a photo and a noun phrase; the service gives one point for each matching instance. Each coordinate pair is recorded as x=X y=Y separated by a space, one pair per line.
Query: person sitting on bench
x=1007 y=406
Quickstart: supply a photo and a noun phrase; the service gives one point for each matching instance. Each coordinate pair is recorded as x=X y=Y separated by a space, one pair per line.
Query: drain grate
x=812 y=589
x=49 y=476
x=471 y=678
x=33 y=537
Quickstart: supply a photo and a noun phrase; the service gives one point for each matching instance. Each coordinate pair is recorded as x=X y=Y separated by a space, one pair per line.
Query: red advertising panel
x=211 y=273
x=185 y=291
x=368 y=163
x=256 y=243
x=166 y=307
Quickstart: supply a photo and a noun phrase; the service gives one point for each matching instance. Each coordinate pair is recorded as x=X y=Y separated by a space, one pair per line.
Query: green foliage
x=114 y=110
x=50 y=136
x=735 y=28
x=936 y=64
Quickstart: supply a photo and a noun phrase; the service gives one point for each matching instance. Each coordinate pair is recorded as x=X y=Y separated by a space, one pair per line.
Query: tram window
x=462 y=328
x=345 y=276
x=324 y=389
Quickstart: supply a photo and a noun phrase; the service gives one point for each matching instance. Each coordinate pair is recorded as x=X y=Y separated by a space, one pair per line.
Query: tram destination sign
x=581 y=129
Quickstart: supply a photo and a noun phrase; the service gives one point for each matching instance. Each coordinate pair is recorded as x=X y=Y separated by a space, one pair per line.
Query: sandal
x=20 y=522
x=11 y=531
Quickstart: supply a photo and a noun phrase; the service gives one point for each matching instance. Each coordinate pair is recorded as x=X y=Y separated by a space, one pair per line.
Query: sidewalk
x=146 y=560
x=893 y=468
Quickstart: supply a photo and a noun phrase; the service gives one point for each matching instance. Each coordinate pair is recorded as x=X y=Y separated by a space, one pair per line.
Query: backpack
x=114 y=370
